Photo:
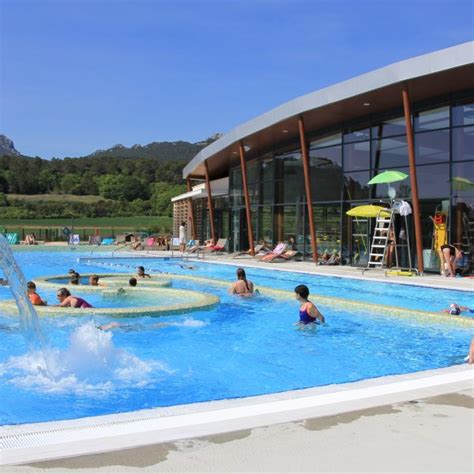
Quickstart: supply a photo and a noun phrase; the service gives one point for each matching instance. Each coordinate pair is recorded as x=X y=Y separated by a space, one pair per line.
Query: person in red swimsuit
x=33 y=296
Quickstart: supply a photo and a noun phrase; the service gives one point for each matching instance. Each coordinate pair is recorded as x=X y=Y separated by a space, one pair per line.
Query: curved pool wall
x=166 y=280
x=196 y=357
x=409 y=295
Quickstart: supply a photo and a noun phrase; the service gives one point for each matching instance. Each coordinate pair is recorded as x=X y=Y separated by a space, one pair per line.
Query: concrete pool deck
x=344 y=271
x=433 y=434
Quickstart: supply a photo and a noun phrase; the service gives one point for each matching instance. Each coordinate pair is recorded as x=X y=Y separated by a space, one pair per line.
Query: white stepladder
x=383 y=237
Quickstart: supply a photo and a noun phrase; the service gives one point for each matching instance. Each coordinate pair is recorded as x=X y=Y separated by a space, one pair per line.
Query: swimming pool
x=240 y=348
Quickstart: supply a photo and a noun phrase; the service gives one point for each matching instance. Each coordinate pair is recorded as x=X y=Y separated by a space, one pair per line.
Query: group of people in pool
x=64 y=296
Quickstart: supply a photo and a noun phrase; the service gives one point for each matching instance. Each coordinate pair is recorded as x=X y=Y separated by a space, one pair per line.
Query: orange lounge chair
x=275 y=253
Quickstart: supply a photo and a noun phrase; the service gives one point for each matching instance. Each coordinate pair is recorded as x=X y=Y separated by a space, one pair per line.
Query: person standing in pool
x=141 y=273
x=33 y=296
x=242 y=286
x=308 y=311
x=66 y=300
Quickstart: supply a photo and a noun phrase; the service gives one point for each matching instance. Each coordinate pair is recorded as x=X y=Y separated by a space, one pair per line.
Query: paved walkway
x=434 y=434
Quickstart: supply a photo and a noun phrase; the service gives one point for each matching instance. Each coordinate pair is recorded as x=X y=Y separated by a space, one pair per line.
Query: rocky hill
x=7 y=147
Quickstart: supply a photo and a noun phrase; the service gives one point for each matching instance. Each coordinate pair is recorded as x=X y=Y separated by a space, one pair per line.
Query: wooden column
x=307 y=185
x=413 y=182
x=190 y=211
x=248 y=213
x=210 y=206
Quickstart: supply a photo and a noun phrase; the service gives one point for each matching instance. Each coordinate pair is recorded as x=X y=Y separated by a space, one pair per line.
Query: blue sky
x=77 y=76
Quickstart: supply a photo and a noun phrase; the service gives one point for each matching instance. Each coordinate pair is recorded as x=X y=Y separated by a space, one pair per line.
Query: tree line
x=124 y=186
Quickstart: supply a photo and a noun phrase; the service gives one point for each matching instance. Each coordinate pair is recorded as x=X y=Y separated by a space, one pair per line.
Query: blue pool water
x=242 y=347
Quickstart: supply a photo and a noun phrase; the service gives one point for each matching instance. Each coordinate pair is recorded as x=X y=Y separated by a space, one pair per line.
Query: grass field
x=132 y=222
x=57 y=198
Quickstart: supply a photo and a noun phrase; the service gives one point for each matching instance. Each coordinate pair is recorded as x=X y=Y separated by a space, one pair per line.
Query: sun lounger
x=12 y=238
x=95 y=240
x=258 y=249
x=108 y=241
x=219 y=247
x=287 y=255
x=276 y=252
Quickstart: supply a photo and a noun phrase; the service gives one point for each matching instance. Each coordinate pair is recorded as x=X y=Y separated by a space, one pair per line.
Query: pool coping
x=248 y=263
x=27 y=443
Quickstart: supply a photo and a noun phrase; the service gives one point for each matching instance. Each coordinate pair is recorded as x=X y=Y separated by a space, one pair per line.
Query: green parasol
x=462 y=184
x=388 y=177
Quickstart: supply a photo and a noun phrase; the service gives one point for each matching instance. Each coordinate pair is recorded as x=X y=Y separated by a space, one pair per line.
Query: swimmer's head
x=132 y=282
x=74 y=279
x=94 y=280
x=241 y=274
x=302 y=292
x=31 y=286
x=62 y=294
x=141 y=270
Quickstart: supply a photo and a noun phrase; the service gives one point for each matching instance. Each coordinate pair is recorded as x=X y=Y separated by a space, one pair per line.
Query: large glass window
x=462 y=180
x=356 y=134
x=326 y=174
x=357 y=156
x=327 y=222
x=389 y=128
x=290 y=189
x=463 y=143
x=433 y=181
x=432 y=119
x=330 y=140
x=236 y=193
x=463 y=113
x=432 y=147
x=355 y=185
x=389 y=153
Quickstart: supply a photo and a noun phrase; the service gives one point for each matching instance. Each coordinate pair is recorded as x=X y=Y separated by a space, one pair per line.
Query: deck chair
x=12 y=238
x=260 y=248
x=275 y=253
x=74 y=239
x=286 y=255
x=108 y=241
x=220 y=246
x=95 y=240
x=150 y=243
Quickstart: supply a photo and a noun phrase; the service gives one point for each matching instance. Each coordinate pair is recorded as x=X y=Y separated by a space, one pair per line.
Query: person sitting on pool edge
x=66 y=300
x=33 y=296
x=141 y=272
x=132 y=282
x=242 y=286
x=308 y=311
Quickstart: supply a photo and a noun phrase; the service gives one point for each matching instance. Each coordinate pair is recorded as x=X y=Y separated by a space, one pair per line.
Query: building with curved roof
x=296 y=170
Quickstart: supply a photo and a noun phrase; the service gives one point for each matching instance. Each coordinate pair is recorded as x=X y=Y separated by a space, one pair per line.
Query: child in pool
x=308 y=311
x=35 y=299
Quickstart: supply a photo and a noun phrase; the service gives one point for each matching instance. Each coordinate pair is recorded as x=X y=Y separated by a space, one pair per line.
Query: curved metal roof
x=400 y=72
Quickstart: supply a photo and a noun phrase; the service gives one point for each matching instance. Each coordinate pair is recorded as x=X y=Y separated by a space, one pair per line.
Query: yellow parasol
x=368 y=210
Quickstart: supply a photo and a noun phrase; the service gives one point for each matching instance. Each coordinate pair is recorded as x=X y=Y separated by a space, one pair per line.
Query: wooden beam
x=307 y=185
x=190 y=210
x=413 y=181
x=248 y=213
x=210 y=206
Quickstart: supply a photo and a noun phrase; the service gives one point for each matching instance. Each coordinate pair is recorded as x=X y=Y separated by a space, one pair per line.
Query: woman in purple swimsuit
x=66 y=300
x=308 y=312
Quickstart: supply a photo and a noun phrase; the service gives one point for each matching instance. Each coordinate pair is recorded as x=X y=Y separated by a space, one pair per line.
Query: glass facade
x=342 y=161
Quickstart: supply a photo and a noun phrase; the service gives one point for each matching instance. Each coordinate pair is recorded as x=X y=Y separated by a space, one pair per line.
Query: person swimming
x=66 y=300
x=141 y=272
x=242 y=286
x=132 y=282
x=456 y=310
x=308 y=311
x=33 y=296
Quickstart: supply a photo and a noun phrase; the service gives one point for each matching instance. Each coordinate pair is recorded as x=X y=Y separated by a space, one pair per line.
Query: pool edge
x=60 y=439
